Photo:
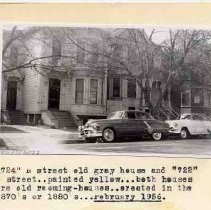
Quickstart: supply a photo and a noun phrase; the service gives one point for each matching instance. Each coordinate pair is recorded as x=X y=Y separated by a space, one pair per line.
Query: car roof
x=202 y=114
x=129 y=111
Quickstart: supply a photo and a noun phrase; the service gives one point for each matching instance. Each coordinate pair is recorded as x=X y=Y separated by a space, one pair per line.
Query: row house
x=60 y=77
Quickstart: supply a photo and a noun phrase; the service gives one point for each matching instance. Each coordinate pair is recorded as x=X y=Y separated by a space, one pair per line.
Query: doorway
x=54 y=93
x=11 y=95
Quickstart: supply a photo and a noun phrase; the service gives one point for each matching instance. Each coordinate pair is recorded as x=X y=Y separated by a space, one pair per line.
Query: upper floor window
x=131 y=89
x=93 y=91
x=56 y=49
x=79 y=92
x=118 y=51
x=14 y=55
x=80 y=57
x=95 y=52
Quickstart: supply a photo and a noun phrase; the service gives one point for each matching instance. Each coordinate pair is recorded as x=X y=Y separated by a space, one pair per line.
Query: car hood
x=172 y=123
x=99 y=121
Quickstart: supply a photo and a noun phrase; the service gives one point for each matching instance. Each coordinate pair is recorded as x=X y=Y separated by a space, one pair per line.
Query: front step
x=13 y=117
x=58 y=119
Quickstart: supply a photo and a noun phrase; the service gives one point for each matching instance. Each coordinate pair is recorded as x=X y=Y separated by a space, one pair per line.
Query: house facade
x=196 y=99
x=66 y=70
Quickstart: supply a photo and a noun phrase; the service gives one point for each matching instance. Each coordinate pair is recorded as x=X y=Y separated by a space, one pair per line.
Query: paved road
x=168 y=147
x=54 y=141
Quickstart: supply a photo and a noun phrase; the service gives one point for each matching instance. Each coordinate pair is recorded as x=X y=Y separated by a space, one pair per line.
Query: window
x=79 y=93
x=186 y=117
x=131 y=89
x=80 y=57
x=115 y=115
x=56 y=49
x=143 y=116
x=93 y=91
x=198 y=117
x=131 y=115
x=14 y=56
x=117 y=51
x=186 y=99
x=95 y=53
x=116 y=87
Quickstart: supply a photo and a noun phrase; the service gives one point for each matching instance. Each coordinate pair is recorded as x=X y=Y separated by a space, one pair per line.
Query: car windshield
x=115 y=115
x=185 y=117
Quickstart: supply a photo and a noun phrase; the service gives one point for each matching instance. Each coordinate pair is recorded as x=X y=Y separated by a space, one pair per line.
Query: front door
x=11 y=95
x=54 y=93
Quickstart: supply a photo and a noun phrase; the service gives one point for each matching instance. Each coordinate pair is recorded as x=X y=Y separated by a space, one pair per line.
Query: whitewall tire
x=157 y=136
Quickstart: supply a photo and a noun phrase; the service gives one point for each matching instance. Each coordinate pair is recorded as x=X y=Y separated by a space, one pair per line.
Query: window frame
x=113 y=96
x=129 y=88
x=78 y=91
x=96 y=91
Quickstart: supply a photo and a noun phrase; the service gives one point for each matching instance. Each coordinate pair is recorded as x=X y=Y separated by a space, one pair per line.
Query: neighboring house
x=124 y=92
x=65 y=83
x=196 y=99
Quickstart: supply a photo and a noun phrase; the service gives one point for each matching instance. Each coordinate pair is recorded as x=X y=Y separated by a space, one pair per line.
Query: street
x=168 y=147
x=44 y=140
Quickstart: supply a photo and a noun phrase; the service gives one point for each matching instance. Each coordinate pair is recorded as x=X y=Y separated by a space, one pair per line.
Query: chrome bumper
x=174 y=131
x=89 y=132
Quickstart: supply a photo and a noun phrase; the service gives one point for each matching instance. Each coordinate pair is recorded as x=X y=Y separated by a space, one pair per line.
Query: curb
x=7 y=144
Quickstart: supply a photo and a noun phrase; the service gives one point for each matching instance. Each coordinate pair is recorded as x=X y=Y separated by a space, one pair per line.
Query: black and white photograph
x=123 y=90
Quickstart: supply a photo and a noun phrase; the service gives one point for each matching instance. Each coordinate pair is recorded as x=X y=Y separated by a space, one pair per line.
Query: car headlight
x=175 y=124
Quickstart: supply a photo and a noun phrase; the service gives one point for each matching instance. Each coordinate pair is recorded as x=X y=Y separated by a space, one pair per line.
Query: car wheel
x=184 y=133
x=108 y=135
x=90 y=140
x=156 y=136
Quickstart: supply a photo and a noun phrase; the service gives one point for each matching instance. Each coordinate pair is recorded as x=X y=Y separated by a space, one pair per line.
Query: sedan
x=121 y=124
x=189 y=124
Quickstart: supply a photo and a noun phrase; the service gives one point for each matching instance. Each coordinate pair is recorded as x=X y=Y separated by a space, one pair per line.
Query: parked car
x=190 y=124
x=120 y=124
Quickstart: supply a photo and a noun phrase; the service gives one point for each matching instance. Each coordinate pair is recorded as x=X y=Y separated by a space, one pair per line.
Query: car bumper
x=174 y=131
x=89 y=133
x=159 y=130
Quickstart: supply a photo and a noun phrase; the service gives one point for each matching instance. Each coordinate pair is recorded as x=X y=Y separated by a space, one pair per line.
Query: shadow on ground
x=8 y=129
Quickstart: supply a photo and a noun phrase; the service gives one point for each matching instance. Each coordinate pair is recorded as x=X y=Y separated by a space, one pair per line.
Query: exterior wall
x=86 y=108
x=67 y=95
x=124 y=102
x=19 y=101
x=31 y=93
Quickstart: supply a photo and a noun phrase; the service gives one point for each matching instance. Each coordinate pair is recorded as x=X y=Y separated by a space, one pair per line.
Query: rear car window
x=198 y=117
x=143 y=116
x=131 y=115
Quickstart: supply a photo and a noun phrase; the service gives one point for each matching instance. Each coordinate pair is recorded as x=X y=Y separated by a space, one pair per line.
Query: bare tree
x=182 y=53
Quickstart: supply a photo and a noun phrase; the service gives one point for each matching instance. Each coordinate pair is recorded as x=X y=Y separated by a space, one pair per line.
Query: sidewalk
x=42 y=139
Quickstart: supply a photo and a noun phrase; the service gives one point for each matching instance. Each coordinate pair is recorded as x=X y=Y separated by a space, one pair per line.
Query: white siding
x=65 y=97
x=31 y=96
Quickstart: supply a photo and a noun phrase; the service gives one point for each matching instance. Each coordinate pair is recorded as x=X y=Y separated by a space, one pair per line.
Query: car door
x=199 y=124
x=207 y=123
x=141 y=125
x=130 y=124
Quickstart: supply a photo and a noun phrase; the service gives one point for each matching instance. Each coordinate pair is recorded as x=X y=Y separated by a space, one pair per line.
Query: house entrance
x=54 y=93
x=11 y=95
